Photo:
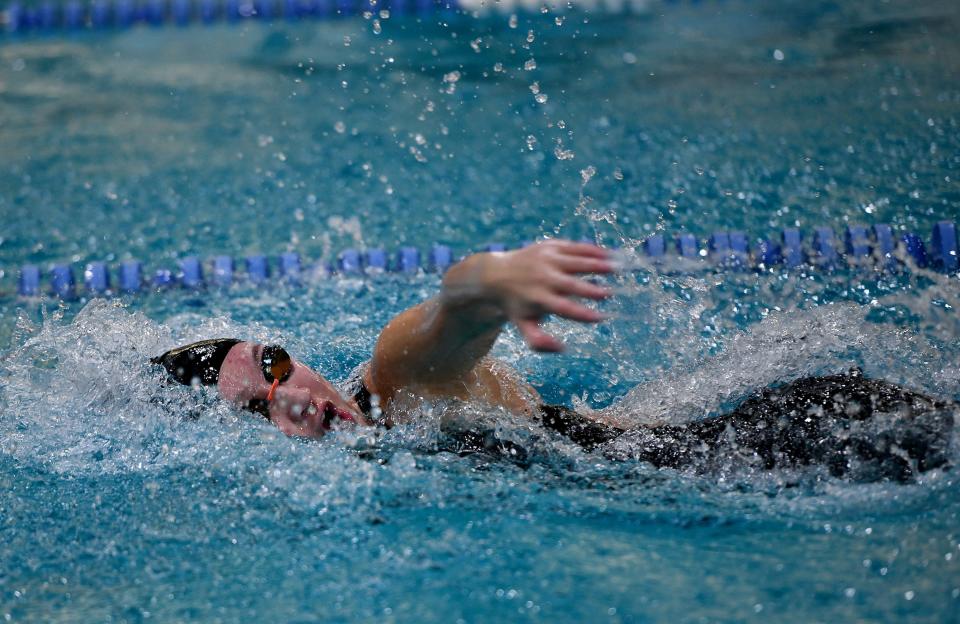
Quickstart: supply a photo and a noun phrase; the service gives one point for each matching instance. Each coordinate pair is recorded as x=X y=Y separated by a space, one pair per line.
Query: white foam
x=783 y=347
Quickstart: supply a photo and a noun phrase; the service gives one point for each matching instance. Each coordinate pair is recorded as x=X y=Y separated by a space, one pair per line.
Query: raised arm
x=441 y=341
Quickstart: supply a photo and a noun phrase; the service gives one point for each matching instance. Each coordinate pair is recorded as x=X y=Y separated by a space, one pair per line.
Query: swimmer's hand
x=439 y=347
x=526 y=285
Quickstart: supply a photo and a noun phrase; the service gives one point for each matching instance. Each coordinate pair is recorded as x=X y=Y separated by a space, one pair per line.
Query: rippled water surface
x=121 y=500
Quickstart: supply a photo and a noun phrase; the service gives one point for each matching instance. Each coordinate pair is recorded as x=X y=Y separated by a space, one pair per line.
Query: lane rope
x=862 y=247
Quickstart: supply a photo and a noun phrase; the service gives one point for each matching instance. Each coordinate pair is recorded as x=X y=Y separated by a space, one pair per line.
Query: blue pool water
x=124 y=501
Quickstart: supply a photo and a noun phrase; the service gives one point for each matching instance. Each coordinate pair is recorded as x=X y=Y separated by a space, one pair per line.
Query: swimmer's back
x=854 y=426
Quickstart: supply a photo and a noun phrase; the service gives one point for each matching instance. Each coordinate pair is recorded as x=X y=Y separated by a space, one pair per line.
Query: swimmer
x=440 y=348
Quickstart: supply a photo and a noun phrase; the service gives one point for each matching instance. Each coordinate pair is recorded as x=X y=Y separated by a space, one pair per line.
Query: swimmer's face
x=303 y=404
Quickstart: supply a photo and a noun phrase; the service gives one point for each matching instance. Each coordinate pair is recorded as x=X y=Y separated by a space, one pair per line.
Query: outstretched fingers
x=575 y=287
x=536 y=338
x=587 y=250
x=567 y=308
x=553 y=285
x=582 y=264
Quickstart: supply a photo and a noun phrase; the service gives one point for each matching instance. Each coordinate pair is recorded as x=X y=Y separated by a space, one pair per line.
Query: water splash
x=786 y=346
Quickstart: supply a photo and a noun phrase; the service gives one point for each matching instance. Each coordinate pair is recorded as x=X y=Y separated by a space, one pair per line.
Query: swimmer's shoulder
x=492 y=381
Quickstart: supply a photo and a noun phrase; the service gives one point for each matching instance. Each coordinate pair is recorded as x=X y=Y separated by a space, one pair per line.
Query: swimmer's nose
x=290 y=402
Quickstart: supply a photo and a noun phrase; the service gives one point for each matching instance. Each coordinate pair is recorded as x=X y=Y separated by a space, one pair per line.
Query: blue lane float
x=792 y=247
x=408 y=260
x=96 y=278
x=655 y=247
x=131 y=276
x=349 y=262
x=856 y=242
x=290 y=266
x=191 y=272
x=728 y=249
x=687 y=246
x=915 y=248
x=223 y=270
x=62 y=281
x=718 y=244
x=29 y=282
x=441 y=258
x=74 y=15
x=874 y=247
x=376 y=260
x=67 y=16
x=258 y=269
x=943 y=244
x=767 y=254
x=825 y=252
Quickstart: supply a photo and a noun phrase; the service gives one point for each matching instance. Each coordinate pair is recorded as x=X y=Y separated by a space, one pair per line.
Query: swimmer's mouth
x=332 y=415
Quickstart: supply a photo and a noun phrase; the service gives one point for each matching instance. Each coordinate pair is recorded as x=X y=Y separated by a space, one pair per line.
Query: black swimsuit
x=857 y=427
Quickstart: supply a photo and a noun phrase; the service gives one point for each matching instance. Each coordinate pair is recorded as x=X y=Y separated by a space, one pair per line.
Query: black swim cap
x=199 y=360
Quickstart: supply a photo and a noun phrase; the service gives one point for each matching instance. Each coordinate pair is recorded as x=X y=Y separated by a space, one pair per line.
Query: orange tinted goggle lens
x=276 y=364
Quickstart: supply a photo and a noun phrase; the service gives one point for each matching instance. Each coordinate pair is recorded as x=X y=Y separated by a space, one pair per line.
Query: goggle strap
x=273 y=390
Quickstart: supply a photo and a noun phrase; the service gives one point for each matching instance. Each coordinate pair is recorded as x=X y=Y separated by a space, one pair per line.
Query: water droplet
x=531 y=142
x=778 y=55
x=451 y=80
x=376 y=27
x=541 y=98
x=530 y=36
x=617 y=174
x=513 y=21
x=562 y=154
x=340 y=127
x=530 y=65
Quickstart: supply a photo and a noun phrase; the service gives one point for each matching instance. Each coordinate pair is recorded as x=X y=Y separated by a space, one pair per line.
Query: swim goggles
x=277 y=367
